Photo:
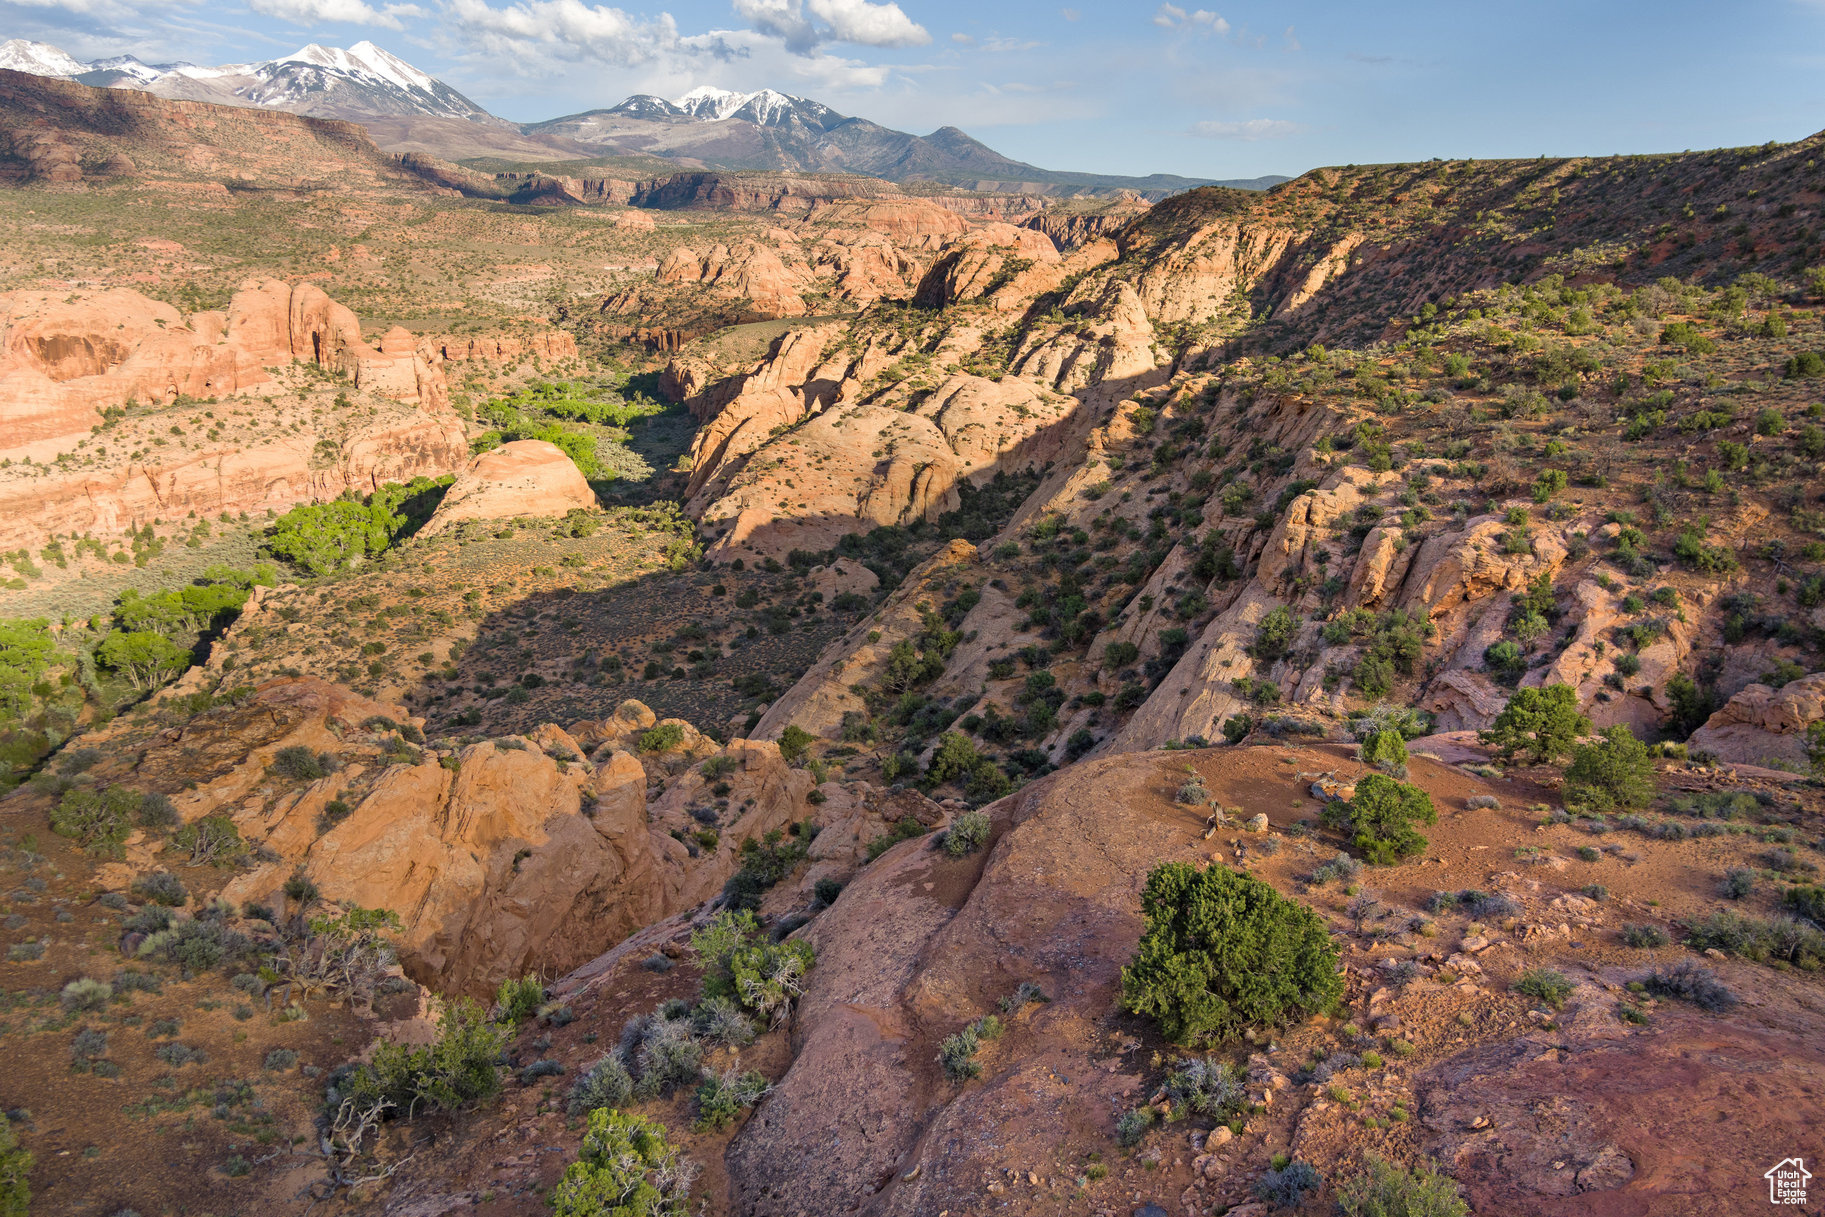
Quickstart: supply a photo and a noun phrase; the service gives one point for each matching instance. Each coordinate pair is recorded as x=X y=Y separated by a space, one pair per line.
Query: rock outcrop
x=273 y=471
x=499 y=348
x=525 y=478
x=1762 y=725
x=527 y=852
x=66 y=358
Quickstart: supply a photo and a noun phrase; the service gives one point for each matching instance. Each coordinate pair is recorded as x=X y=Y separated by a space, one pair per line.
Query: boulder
x=1765 y=726
x=1461 y=700
x=528 y=477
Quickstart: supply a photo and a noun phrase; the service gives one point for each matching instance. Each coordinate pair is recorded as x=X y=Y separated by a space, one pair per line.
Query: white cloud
x=1069 y=14
x=1248 y=129
x=962 y=39
x=562 y=29
x=867 y=24
x=110 y=9
x=352 y=12
x=803 y=24
x=1172 y=17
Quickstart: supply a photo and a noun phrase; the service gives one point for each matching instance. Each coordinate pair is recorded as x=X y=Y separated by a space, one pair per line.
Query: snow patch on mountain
x=38 y=58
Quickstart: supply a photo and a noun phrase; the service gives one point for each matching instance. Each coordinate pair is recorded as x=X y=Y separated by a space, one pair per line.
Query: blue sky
x=1233 y=90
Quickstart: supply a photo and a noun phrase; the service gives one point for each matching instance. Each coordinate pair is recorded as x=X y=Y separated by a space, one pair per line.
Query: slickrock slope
x=533 y=852
x=527 y=477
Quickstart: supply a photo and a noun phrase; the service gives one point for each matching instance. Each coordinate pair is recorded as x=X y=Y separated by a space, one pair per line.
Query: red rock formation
x=498 y=348
x=276 y=473
x=65 y=359
x=528 y=477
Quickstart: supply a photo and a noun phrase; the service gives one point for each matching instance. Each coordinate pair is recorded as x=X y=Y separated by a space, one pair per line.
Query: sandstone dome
x=527 y=477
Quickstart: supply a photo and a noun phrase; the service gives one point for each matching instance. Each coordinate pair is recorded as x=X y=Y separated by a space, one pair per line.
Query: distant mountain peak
x=763 y=107
x=708 y=127
x=364 y=58
x=38 y=58
x=362 y=81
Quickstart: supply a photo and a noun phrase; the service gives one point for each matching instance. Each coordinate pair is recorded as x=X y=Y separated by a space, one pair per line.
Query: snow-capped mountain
x=405 y=109
x=127 y=65
x=363 y=81
x=37 y=58
x=764 y=108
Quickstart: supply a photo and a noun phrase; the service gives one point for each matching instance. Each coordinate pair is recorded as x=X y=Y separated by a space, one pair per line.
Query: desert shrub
x=280 y=1059
x=795 y=742
x=1275 y=633
x=1806 y=900
x=1738 y=882
x=132 y=980
x=626 y=1169
x=1483 y=802
x=1381 y=816
x=1539 y=724
x=1545 y=985
x=661 y=1051
x=197 y=945
x=98 y=822
x=299 y=764
x=1133 y=1126
x=454 y=1072
x=1205 y=1087
x=540 y=1069
x=720 y=1020
x=1487 y=906
x=605 y=1084
x=88 y=1046
x=1285 y=1187
x=518 y=1000
x=178 y=1055
x=764 y=863
x=1760 y=940
x=15 y=1171
x=957 y=1054
x=1643 y=935
x=722 y=1097
x=156 y=811
x=148 y=921
x=1120 y=655
x=1386 y=1189
x=160 y=887
x=904 y=829
x=1385 y=750
x=85 y=995
x=1688 y=981
x=1615 y=772
x=967 y=833
x=1025 y=994
x=765 y=978
x=663 y=738
x=211 y=841
x=1223 y=951
x=1405 y=721
x=1342 y=866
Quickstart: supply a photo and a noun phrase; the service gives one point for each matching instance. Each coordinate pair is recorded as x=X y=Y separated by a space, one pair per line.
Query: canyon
x=915 y=575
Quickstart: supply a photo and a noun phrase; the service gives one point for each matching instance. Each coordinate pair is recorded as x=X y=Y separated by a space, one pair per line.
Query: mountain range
x=408 y=110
